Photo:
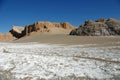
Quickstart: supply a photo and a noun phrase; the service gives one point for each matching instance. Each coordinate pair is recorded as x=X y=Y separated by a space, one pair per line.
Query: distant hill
x=101 y=27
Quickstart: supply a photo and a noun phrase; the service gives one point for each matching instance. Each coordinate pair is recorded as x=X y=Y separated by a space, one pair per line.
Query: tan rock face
x=67 y=26
x=6 y=37
x=47 y=27
x=18 y=29
x=1 y=37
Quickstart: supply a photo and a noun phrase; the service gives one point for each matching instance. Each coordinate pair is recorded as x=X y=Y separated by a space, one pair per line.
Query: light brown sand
x=72 y=40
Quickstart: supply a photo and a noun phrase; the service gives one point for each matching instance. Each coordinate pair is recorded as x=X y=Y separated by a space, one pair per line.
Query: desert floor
x=60 y=57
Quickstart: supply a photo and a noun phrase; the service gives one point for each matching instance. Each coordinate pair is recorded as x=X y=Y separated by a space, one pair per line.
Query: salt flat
x=35 y=61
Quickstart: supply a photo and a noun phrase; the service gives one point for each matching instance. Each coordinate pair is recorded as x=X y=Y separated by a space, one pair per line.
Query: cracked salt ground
x=33 y=61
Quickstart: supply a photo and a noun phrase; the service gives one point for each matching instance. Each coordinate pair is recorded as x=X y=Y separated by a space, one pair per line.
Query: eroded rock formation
x=14 y=33
x=17 y=31
x=101 y=27
x=47 y=27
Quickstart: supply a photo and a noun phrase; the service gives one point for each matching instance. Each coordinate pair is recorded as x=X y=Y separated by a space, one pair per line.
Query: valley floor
x=36 y=61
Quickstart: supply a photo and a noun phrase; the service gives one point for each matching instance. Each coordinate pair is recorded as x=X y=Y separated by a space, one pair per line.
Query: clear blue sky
x=23 y=12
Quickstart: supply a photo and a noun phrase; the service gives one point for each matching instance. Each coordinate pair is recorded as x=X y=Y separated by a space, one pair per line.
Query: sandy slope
x=71 y=40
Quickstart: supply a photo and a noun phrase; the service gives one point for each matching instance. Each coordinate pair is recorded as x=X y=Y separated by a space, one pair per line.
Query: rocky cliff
x=101 y=27
x=16 y=31
x=48 y=27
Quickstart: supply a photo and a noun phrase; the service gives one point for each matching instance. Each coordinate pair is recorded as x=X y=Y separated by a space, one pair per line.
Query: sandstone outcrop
x=47 y=27
x=101 y=27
